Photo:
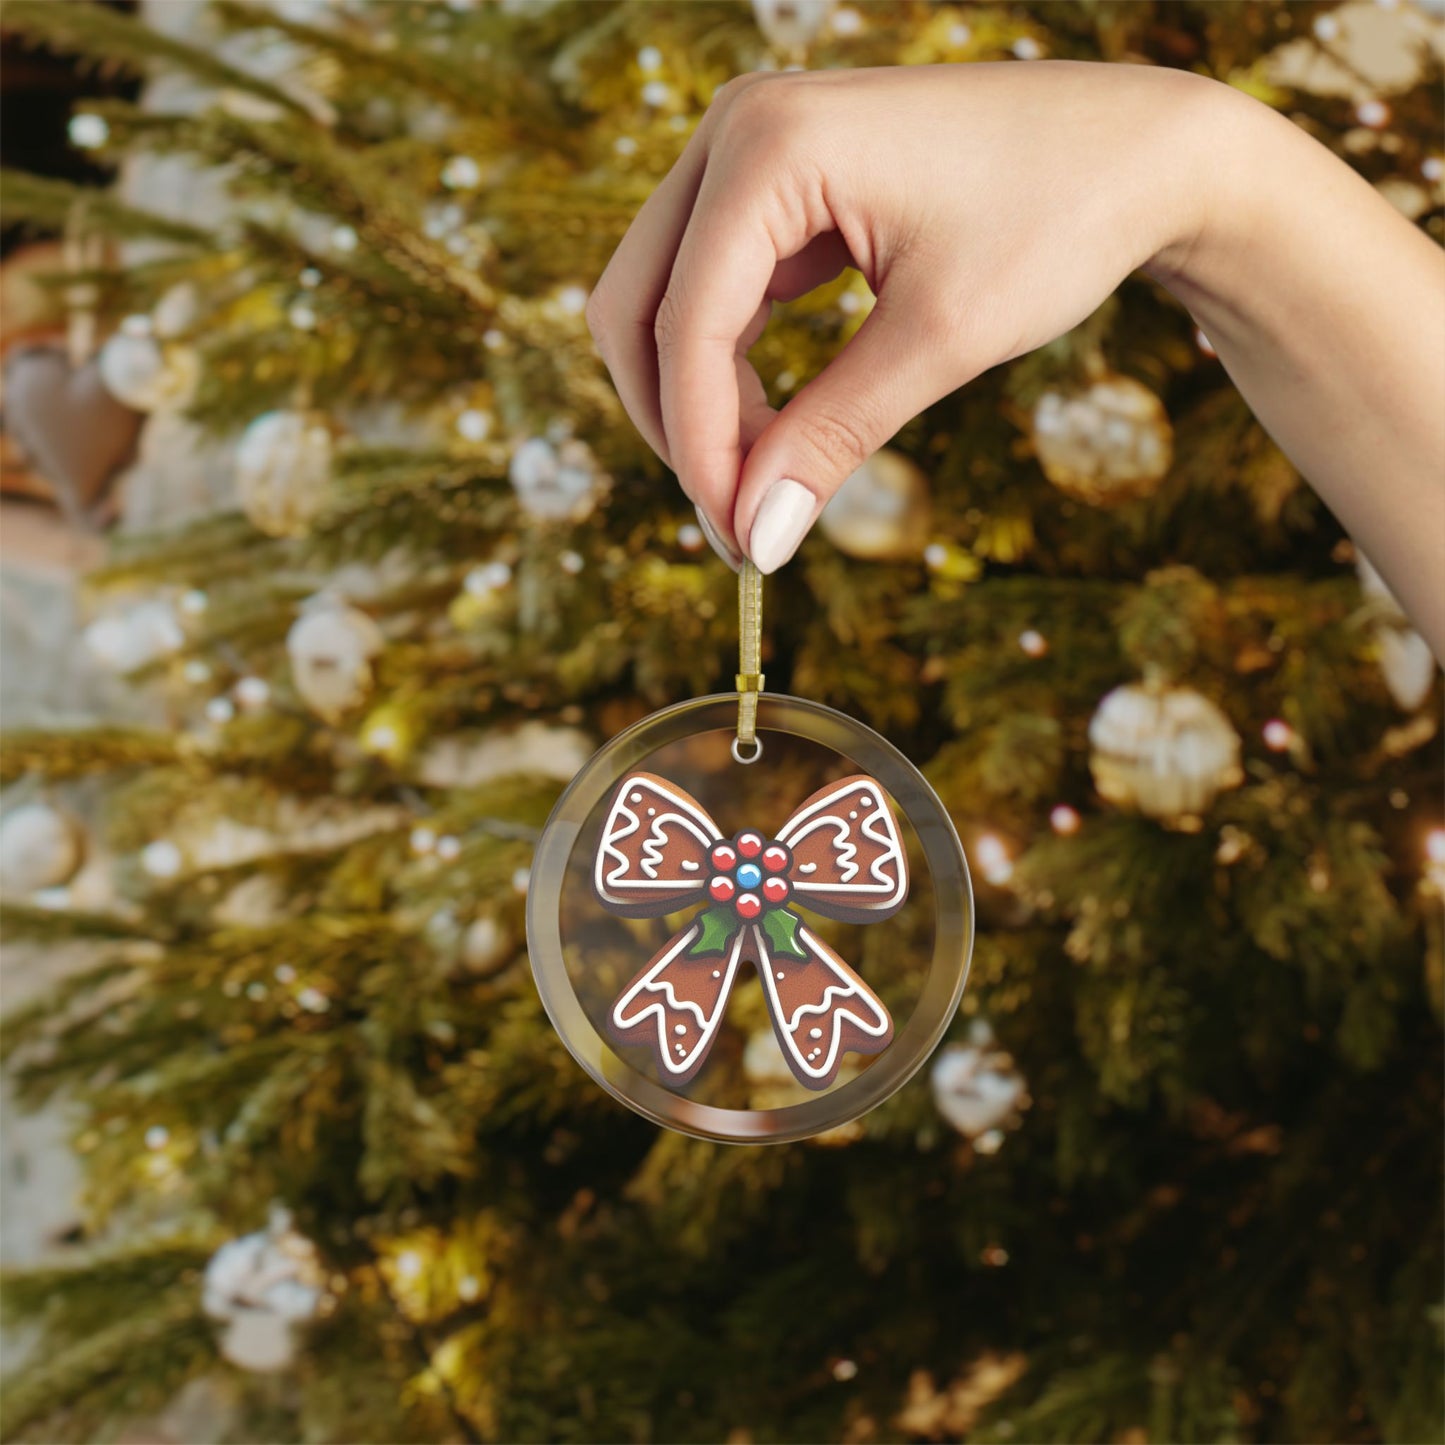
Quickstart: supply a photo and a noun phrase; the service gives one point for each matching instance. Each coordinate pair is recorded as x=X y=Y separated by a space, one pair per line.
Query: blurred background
x=329 y=556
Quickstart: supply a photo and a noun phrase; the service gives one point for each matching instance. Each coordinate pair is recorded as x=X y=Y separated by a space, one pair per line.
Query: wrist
x=1221 y=146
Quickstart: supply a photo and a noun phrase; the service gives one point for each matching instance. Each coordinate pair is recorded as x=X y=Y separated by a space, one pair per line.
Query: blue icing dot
x=750 y=875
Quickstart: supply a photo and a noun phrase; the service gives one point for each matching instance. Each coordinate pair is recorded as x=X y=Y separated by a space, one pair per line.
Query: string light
x=1064 y=820
x=993 y=859
x=252 y=692
x=220 y=710
x=313 y=1000
x=461 y=173
x=423 y=840
x=474 y=425
x=449 y=849
x=845 y=1370
x=88 y=132
x=1278 y=735
x=1373 y=113
x=408 y=1264
x=1033 y=642
x=157 y=1136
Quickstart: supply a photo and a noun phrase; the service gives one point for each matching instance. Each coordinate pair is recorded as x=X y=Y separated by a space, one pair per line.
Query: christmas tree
x=1176 y=1174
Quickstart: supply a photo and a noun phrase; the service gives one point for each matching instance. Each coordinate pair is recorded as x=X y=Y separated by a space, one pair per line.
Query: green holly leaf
x=782 y=930
x=718 y=926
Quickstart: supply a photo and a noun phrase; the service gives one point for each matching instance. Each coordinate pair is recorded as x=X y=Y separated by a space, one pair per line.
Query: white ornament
x=486 y=946
x=976 y=1087
x=1108 y=443
x=141 y=373
x=472 y=759
x=135 y=637
x=331 y=647
x=40 y=847
x=1406 y=661
x=283 y=470
x=175 y=313
x=1166 y=752
x=792 y=25
x=161 y=859
x=881 y=512
x=261 y=1287
x=555 y=482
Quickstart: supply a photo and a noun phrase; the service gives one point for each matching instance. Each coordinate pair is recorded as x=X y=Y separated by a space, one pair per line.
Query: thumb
x=900 y=361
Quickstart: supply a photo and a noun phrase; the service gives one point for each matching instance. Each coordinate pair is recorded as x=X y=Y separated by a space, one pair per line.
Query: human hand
x=989 y=207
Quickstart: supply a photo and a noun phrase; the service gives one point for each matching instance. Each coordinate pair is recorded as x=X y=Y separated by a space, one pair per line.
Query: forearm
x=1327 y=309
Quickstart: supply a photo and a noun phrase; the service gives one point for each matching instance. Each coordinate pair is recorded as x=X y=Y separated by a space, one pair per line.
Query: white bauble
x=283 y=470
x=40 y=847
x=258 y=1341
x=1406 y=661
x=261 y=1286
x=486 y=946
x=136 y=636
x=331 y=647
x=976 y=1087
x=1164 y=751
x=973 y=1095
x=555 y=482
x=1108 y=443
x=139 y=372
x=881 y=512
x=792 y=25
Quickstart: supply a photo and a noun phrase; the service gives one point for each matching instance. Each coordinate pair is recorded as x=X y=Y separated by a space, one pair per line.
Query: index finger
x=719 y=285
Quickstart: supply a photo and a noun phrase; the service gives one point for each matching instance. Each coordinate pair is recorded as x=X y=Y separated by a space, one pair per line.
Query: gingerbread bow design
x=839 y=855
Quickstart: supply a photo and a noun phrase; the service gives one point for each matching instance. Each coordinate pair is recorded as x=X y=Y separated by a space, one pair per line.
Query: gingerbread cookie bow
x=839 y=855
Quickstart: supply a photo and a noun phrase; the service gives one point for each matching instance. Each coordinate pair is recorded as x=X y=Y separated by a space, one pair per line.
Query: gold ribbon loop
x=750 y=656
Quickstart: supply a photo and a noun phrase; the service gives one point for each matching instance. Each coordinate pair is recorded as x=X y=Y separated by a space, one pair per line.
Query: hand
x=989 y=207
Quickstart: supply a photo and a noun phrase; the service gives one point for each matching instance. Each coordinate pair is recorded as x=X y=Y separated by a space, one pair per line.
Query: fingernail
x=782 y=522
x=715 y=541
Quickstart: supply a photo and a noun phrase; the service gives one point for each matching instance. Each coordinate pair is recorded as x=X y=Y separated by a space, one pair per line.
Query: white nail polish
x=783 y=519
x=715 y=541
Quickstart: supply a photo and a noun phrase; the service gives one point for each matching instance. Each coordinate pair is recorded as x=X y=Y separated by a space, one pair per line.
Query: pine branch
x=119 y=42
x=52 y=204
x=82 y=752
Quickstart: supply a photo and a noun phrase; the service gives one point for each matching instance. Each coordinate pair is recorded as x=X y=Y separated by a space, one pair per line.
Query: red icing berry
x=722 y=889
x=775 y=858
x=750 y=845
x=724 y=857
x=775 y=889
x=750 y=905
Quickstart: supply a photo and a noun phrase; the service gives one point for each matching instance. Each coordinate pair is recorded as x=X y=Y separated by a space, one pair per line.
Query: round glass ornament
x=735 y=1007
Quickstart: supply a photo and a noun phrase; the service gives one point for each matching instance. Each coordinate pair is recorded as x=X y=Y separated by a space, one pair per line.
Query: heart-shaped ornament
x=77 y=435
